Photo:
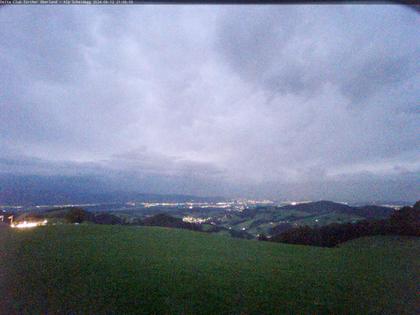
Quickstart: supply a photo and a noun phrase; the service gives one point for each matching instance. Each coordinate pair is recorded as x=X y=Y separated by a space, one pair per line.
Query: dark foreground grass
x=135 y=270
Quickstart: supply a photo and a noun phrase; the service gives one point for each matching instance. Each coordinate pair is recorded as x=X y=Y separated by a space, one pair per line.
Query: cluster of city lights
x=195 y=220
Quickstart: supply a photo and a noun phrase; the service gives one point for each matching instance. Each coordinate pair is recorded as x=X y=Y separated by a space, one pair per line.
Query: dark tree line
x=165 y=220
x=405 y=221
x=79 y=215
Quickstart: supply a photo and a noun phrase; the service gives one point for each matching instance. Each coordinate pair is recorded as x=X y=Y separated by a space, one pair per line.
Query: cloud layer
x=272 y=101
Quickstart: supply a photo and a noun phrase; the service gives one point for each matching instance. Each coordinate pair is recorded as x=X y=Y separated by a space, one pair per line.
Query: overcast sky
x=271 y=101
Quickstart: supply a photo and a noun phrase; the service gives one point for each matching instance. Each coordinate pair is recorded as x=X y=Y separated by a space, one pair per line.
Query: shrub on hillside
x=106 y=218
x=77 y=215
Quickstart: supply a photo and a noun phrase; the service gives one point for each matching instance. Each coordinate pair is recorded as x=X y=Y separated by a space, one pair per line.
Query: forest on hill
x=405 y=221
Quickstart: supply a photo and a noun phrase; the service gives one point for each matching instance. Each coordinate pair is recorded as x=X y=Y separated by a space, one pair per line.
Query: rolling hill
x=324 y=206
x=97 y=269
x=274 y=219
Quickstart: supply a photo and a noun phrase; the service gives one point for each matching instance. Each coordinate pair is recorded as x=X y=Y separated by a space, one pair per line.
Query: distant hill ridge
x=325 y=206
x=405 y=221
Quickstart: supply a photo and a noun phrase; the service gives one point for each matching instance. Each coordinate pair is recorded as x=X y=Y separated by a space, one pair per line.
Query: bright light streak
x=25 y=224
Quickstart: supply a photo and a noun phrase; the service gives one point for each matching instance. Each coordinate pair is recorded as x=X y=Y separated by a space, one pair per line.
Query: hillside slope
x=324 y=206
x=271 y=220
x=127 y=270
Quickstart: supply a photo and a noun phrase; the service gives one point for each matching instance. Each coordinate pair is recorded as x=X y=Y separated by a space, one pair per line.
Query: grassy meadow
x=97 y=269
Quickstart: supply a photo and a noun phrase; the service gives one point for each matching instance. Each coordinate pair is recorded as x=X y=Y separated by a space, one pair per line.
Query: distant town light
x=190 y=219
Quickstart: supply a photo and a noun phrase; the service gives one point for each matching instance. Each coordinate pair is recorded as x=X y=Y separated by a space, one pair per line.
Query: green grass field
x=90 y=269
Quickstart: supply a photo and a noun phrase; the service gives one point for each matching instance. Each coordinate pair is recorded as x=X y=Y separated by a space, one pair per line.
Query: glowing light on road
x=25 y=224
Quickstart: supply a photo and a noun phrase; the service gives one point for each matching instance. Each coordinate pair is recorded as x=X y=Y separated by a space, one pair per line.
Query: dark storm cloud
x=266 y=101
x=298 y=50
